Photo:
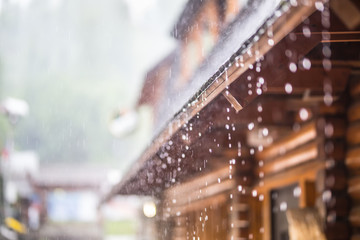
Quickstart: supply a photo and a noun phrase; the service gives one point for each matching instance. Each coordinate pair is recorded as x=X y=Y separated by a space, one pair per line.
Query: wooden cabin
x=268 y=146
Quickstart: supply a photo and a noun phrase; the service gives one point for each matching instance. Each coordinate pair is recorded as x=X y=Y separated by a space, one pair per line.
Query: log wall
x=353 y=156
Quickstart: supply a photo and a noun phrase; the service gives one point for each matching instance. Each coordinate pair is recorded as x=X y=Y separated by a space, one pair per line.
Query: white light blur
x=149 y=209
x=14 y=106
x=124 y=124
x=113 y=176
x=306 y=63
x=283 y=206
x=288 y=88
x=292 y=67
x=304 y=114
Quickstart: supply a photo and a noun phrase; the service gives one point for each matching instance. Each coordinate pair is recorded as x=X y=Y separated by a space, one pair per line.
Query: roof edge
x=226 y=74
x=186 y=18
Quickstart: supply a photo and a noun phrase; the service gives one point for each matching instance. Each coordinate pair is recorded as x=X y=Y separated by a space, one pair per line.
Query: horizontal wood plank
x=291 y=159
x=306 y=134
x=354 y=216
x=353 y=158
x=354 y=187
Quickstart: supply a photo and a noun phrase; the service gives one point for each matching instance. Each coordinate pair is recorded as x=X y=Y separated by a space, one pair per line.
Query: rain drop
x=306 y=32
x=304 y=114
x=306 y=63
x=259 y=91
x=288 y=88
x=271 y=42
x=254 y=193
x=283 y=206
x=327 y=64
x=293 y=3
x=326 y=51
x=297 y=192
x=261 y=80
x=319 y=6
x=265 y=132
x=328 y=99
x=292 y=67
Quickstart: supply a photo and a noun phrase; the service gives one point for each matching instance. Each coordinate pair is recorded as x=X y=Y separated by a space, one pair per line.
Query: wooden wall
x=353 y=155
x=314 y=158
x=333 y=184
x=293 y=159
x=214 y=205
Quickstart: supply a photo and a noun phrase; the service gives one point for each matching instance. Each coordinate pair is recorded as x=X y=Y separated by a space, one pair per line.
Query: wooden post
x=353 y=156
x=333 y=182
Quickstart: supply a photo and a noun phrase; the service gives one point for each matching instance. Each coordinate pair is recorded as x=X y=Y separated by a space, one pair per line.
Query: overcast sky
x=75 y=62
x=102 y=39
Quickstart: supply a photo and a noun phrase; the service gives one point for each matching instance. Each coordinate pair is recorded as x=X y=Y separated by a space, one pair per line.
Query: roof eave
x=186 y=18
x=225 y=75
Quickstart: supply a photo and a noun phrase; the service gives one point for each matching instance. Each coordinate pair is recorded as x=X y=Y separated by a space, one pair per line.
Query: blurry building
x=258 y=123
x=67 y=200
x=15 y=168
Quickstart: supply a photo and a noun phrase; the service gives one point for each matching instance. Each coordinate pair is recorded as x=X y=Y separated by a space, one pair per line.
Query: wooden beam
x=354 y=112
x=355 y=86
x=308 y=193
x=240 y=207
x=353 y=158
x=353 y=134
x=197 y=183
x=266 y=212
x=354 y=216
x=354 y=188
x=291 y=176
x=232 y=100
x=201 y=193
x=338 y=63
x=347 y=12
x=304 y=135
x=291 y=159
x=198 y=204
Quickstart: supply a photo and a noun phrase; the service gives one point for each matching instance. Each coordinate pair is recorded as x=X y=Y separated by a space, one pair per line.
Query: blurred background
x=68 y=69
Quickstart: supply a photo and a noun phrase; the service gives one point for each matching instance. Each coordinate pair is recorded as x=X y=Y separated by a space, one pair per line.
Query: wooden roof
x=154 y=84
x=186 y=18
x=210 y=109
